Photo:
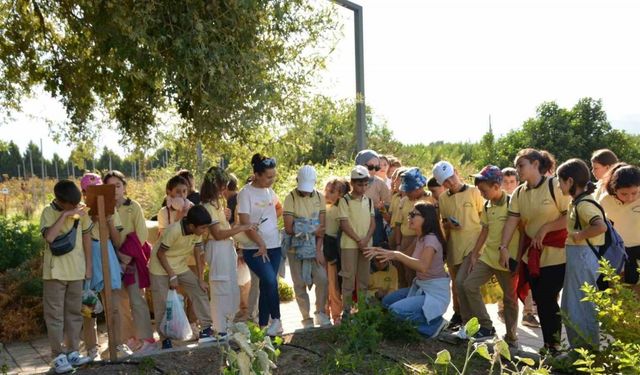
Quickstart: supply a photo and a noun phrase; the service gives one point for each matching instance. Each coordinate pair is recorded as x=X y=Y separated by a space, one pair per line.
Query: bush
x=20 y=240
x=285 y=291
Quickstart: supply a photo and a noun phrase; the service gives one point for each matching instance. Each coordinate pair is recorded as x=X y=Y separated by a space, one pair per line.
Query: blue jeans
x=410 y=308
x=267 y=272
x=582 y=267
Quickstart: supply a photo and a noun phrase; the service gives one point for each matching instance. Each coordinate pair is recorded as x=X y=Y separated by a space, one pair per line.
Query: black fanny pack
x=331 y=248
x=64 y=243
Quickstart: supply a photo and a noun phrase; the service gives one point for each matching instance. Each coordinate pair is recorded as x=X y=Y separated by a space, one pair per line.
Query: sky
x=443 y=67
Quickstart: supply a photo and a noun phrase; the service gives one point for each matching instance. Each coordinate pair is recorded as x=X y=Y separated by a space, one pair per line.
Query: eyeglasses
x=413 y=214
x=373 y=167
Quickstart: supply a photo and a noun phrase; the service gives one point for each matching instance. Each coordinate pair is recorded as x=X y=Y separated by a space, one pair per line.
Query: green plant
x=285 y=291
x=618 y=310
x=524 y=366
x=257 y=354
x=146 y=365
x=20 y=240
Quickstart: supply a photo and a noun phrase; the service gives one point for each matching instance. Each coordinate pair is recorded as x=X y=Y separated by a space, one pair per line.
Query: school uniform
x=383 y=282
x=626 y=220
x=63 y=277
x=307 y=207
x=332 y=227
x=222 y=258
x=355 y=266
x=177 y=245
x=466 y=206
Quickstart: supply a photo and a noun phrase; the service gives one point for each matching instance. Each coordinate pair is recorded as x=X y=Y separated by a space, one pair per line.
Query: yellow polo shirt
x=625 y=218
x=70 y=266
x=359 y=213
x=332 y=223
x=95 y=231
x=535 y=207
x=588 y=213
x=493 y=218
x=384 y=280
x=405 y=206
x=178 y=248
x=132 y=219
x=466 y=206
x=304 y=206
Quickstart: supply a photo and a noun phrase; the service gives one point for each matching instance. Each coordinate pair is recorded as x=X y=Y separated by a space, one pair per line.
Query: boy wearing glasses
x=356 y=215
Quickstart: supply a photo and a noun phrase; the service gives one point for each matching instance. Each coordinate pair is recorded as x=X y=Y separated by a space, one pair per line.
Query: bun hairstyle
x=622 y=176
x=546 y=160
x=604 y=157
x=577 y=170
x=261 y=163
x=114 y=174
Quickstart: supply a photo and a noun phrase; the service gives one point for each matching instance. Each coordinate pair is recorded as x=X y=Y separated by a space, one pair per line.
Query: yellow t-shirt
x=493 y=218
x=70 y=266
x=132 y=219
x=95 y=231
x=332 y=223
x=217 y=217
x=466 y=206
x=178 y=247
x=304 y=206
x=625 y=218
x=359 y=213
x=406 y=206
x=393 y=206
x=535 y=206
x=386 y=281
x=166 y=217
x=588 y=213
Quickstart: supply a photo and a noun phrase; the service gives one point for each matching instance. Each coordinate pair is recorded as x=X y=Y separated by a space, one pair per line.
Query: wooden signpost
x=101 y=199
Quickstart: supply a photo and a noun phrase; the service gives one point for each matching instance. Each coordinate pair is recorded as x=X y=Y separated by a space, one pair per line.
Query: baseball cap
x=442 y=170
x=90 y=179
x=307 y=178
x=359 y=172
x=490 y=173
x=412 y=179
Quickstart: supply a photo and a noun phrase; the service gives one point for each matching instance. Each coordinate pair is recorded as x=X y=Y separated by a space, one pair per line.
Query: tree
x=226 y=67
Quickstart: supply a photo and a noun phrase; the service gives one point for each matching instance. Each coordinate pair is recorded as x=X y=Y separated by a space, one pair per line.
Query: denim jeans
x=582 y=267
x=267 y=272
x=410 y=308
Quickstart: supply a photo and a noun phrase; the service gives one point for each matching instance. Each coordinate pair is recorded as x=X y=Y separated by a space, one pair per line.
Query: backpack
x=613 y=249
x=551 y=190
x=486 y=204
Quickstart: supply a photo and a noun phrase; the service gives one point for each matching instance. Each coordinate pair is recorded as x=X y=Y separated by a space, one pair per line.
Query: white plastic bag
x=174 y=324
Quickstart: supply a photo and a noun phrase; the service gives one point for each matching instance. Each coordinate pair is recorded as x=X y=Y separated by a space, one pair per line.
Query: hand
x=126 y=259
x=203 y=285
x=362 y=243
x=576 y=236
x=473 y=260
x=539 y=237
x=262 y=252
x=79 y=210
x=320 y=258
x=379 y=205
x=504 y=257
x=371 y=252
x=173 y=283
x=88 y=274
x=387 y=255
x=249 y=227
x=227 y=213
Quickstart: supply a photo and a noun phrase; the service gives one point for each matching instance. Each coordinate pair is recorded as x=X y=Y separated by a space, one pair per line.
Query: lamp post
x=361 y=121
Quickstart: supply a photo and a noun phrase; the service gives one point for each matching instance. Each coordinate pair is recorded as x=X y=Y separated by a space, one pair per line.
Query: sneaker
x=444 y=323
x=222 y=337
x=134 y=344
x=455 y=322
x=166 y=344
x=322 y=320
x=501 y=316
x=206 y=335
x=461 y=334
x=93 y=355
x=530 y=320
x=76 y=360
x=61 y=364
x=125 y=349
x=484 y=334
x=147 y=347
x=307 y=323
x=275 y=328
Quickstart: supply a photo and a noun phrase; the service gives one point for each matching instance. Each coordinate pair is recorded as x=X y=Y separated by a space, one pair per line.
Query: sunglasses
x=413 y=214
x=269 y=163
x=373 y=167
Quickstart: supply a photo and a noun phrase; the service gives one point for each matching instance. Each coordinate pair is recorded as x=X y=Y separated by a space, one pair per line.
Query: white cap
x=442 y=170
x=307 y=179
x=359 y=172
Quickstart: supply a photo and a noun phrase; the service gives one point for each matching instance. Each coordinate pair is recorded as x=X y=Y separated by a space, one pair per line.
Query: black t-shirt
x=231 y=204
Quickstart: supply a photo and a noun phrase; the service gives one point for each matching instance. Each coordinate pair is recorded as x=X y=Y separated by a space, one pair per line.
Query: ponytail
x=546 y=160
x=578 y=171
x=261 y=163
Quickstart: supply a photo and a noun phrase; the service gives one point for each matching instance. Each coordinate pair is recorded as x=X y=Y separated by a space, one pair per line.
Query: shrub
x=285 y=291
x=20 y=240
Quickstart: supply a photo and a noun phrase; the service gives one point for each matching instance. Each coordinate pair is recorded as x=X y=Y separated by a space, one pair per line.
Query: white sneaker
x=322 y=320
x=76 y=360
x=124 y=348
x=146 y=348
x=307 y=323
x=61 y=364
x=275 y=328
x=93 y=355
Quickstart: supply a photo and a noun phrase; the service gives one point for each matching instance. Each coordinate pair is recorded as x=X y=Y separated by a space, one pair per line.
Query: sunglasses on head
x=269 y=163
x=373 y=167
x=413 y=214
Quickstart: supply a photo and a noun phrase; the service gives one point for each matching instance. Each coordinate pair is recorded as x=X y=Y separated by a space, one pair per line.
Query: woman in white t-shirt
x=259 y=205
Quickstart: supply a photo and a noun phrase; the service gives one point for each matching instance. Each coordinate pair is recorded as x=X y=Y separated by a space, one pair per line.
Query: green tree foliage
x=226 y=67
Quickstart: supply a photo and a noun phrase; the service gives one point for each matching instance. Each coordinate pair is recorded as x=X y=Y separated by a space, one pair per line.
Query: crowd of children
x=386 y=231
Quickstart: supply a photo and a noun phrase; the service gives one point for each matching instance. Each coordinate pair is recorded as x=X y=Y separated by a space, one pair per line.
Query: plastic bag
x=91 y=305
x=491 y=291
x=174 y=324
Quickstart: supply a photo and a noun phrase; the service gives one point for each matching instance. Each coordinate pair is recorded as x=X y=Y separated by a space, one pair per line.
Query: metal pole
x=44 y=197
x=110 y=167
x=361 y=120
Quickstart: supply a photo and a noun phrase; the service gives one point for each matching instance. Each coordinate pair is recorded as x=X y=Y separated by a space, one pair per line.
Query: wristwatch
x=502 y=247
